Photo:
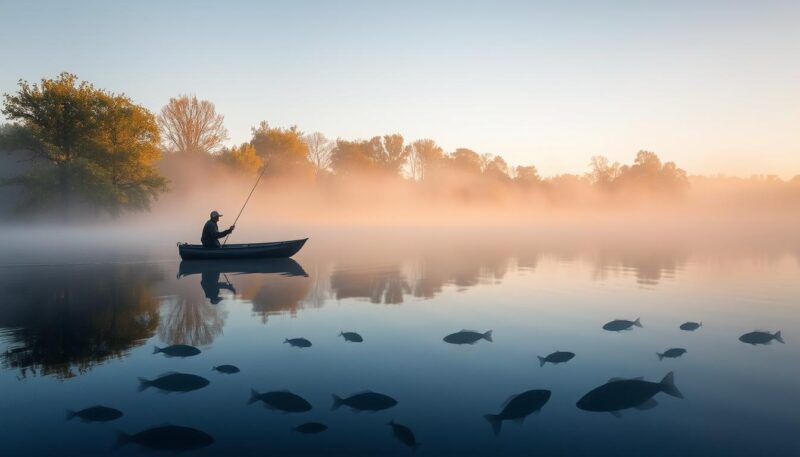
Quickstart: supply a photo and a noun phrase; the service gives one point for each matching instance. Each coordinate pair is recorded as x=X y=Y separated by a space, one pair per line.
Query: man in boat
x=211 y=233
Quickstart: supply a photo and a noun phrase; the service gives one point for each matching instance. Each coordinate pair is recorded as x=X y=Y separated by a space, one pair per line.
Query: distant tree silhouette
x=466 y=161
x=241 y=158
x=319 y=151
x=192 y=126
x=283 y=150
x=425 y=159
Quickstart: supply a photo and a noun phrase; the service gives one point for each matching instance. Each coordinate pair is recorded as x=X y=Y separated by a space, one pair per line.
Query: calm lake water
x=78 y=334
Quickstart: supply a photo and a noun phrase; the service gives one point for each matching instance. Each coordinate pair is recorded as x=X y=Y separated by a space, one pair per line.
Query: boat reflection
x=211 y=270
x=273 y=286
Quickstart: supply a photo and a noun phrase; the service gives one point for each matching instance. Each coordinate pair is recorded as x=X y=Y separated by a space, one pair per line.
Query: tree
x=354 y=157
x=283 y=150
x=466 y=161
x=648 y=173
x=425 y=159
x=242 y=158
x=319 y=151
x=192 y=126
x=603 y=172
x=497 y=169
x=127 y=150
x=390 y=153
x=527 y=176
x=87 y=145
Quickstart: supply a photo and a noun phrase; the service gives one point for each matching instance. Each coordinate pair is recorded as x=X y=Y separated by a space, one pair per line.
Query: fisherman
x=211 y=233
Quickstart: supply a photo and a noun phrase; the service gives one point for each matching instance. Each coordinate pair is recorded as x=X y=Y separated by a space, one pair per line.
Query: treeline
x=99 y=150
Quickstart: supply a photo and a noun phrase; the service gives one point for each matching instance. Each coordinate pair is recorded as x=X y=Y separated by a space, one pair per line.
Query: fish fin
x=668 y=386
x=660 y=356
x=70 y=414
x=156 y=349
x=253 y=397
x=337 y=402
x=495 y=421
x=122 y=439
x=615 y=380
x=637 y=322
x=286 y=340
x=777 y=336
x=488 y=336
x=616 y=414
x=144 y=384
x=701 y=324
x=649 y=404
x=542 y=360
x=341 y=333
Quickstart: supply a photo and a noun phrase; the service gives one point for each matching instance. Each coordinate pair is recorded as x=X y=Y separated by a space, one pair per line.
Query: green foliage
x=89 y=146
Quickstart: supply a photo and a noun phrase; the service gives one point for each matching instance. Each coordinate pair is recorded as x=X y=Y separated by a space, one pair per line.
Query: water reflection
x=63 y=321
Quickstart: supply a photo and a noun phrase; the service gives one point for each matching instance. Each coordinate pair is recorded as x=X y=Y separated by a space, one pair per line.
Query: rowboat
x=283 y=267
x=274 y=250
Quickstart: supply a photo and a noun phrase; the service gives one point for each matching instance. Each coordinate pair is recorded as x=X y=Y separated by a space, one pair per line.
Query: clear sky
x=713 y=85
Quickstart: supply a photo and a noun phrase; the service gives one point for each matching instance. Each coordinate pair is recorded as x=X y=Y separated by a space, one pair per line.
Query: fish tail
x=285 y=340
x=495 y=421
x=337 y=402
x=542 y=360
x=144 y=384
x=70 y=414
x=668 y=386
x=253 y=397
x=122 y=439
x=488 y=336
x=156 y=349
x=701 y=324
x=660 y=356
x=778 y=337
x=637 y=322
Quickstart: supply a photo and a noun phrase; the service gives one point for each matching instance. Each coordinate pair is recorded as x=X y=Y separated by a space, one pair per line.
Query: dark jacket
x=211 y=234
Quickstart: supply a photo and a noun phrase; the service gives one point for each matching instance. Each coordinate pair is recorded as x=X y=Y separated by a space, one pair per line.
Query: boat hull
x=275 y=250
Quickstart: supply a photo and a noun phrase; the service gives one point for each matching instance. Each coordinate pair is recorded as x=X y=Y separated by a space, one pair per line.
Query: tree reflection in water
x=62 y=321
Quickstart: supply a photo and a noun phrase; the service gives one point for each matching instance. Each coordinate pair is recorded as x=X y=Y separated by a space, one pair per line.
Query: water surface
x=74 y=335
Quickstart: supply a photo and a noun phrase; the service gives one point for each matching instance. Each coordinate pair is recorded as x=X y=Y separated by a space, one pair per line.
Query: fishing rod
x=247 y=200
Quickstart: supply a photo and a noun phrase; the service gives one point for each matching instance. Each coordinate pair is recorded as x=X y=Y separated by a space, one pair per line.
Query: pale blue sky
x=714 y=86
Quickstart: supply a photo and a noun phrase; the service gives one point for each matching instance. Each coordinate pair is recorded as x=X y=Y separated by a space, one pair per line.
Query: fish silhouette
x=298 y=342
x=168 y=438
x=281 y=400
x=618 y=325
x=468 y=337
x=177 y=350
x=365 y=401
x=760 y=337
x=691 y=326
x=174 y=382
x=311 y=428
x=404 y=434
x=518 y=407
x=95 y=414
x=556 y=357
x=671 y=353
x=227 y=369
x=352 y=337
x=619 y=394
